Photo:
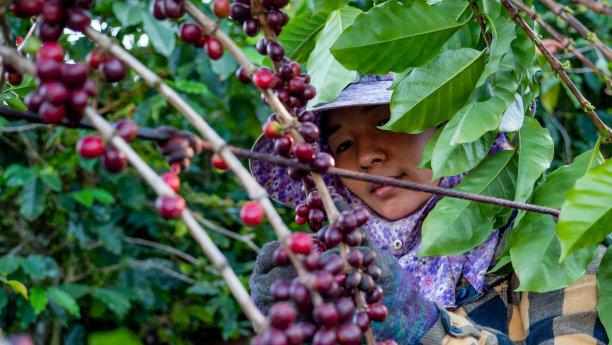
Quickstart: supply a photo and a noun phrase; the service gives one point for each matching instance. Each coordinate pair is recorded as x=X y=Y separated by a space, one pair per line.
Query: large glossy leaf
x=327 y=5
x=431 y=94
x=586 y=213
x=455 y=225
x=457 y=9
x=117 y=302
x=300 y=33
x=32 y=199
x=502 y=31
x=327 y=74
x=536 y=150
x=161 y=34
x=535 y=247
x=428 y=150
x=38 y=299
x=604 y=291
x=512 y=118
x=127 y=14
x=392 y=37
x=65 y=301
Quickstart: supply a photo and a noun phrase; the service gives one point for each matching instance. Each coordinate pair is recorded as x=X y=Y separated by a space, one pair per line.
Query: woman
x=431 y=300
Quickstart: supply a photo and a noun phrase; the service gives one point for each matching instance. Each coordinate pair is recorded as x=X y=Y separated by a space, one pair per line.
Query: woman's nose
x=370 y=153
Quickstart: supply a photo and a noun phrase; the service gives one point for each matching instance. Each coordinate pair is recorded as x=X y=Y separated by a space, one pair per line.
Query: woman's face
x=357 y=144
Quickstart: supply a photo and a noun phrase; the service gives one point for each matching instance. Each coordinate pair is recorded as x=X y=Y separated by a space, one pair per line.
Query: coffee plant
x=90 y=255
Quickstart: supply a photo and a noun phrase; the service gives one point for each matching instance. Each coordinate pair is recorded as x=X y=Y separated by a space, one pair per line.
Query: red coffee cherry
x=251 y=214
x=242 y=76
x=172 y=180
x=263 y=78
x=90 y=147
x=114 y=160
x=377 y=312
x=94 y=58
x=304 y=152
x=170 y=207
x=55 y=91
x=77 y=19
x=272 y=129
x=48 y=69
x=50 y=50
x=78 y=99
x=49 y=32
x=349 y=334
x=213 y=48
x=127 y=129
x=112 y=69
x=34 y=100
x=52 y=113
x=53 y=11
x=221 y=8
x=218 y=162
x=74 y=75
x=281 y=315
x=190 y=32
x=300 y=243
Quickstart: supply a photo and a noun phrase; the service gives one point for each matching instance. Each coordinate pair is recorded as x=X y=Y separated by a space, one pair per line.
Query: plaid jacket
x=567 y=316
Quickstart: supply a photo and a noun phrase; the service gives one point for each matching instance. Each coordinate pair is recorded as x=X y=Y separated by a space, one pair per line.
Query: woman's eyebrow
x=330 y=131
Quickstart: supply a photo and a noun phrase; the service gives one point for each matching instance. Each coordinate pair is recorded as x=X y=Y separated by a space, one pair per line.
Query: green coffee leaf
x=428 y=150
x=38 y=299
x=18 y=287
x=114 y=300
x=161 y=33
x=300 y=33
x=65 y=301
x=604 y=291
x=9 y=264
x=32 y=199
x=536 y=151
x=328 y=5
x=121 y=336
x=127 y=14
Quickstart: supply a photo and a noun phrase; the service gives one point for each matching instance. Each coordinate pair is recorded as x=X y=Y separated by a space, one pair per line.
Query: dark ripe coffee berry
x=14 y=78
x=374 y=271
x=251 y=26
x=217 y=161
x=333 y=237
x=190 y=32
x=361 y=215
x=296 y=174
x=48 y=70
x=275 y=51
x=77 y=19
x=296 y=85
x=345 y=307
x=316 y=215
x=55 y=91
x=282 y=94
x=300 y=243
x=285 y=72
x=377 y=312
x=332 y=264
x=273 y=336
x=314 y=226
x=74 y=75
x=367 y=283
x=281 y=3
x=31 y=7
x=347 y=221
x=362 y=320
x=78 y=99
x=353 y=238
x=91 y=88
x=274 y=18
x=299 y=293
x=127 y=129
x=50 y=50
x=240 y=12
x=221 y=8
x=268 y=3
x=295 y=334
x=172 y=180
x=278 y=30
x=33 y=101
x=309 y=330
x=285 y=17
x=352 y=280
x=309 y=92
x=272 y=129
x=306 y=77
x=322 y=162
x=86 y=4
x=94 y=58
x=159 y=9
x=322 y=281
x=251 y=213
x=309 y=181
x=325 y=314
x=324 y=336
x=90 y=147
x=293 y=101
x=280 y=290
x=263 y=78
x=354 y=258
x=320 y=235
x=213 y=48
x=242 y=76
x=261 y=46
x=304 y=152
x=280 y=257
x=278 y=82
x=311 y=261
x=314 y=199
x=281 y=315
x=369 y=257
x=112 y=69
x=49 y=32
x=306 y=116
x=283 y=145
x=52 y=113
x=302 y=210
x=375 y=295
x=114 y=161
x=175 y=9
x=349 y=334
x=309 y=131
x=52 y=11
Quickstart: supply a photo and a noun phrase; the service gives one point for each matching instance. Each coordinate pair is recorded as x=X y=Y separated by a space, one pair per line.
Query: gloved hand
x=179 y=147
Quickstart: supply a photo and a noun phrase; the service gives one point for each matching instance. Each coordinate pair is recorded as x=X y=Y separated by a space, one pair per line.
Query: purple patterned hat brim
x=362 y=94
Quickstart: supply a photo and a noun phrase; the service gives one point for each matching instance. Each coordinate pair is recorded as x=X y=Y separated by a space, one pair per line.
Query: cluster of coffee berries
x=290 y=85
x=312 y=212
x=56 y=15
x=113 y=160
x=276 y=18
x=64 y=89
x=110 y=67
x=251 y=213
x=164 y=9
x=345 y=230
x=192 y=33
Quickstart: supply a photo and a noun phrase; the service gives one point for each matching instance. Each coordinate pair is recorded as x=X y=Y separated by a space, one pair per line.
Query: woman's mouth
x=383 y=190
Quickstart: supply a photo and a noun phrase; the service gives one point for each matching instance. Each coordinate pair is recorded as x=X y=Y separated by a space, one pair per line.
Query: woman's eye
x=383 y=122
x=344 y=146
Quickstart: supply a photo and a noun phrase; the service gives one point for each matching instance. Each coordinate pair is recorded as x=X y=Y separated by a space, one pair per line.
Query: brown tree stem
x=595 y=6
x=483 y=27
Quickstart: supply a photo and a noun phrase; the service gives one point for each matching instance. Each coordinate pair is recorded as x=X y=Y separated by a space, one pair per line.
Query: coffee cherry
x=306 y=78
x=221 y=8
x=31 y=45
x=90 y=87
x=240 y=12
x=190 y=32
x=213 y=48
x=78 y=99
x=52 y=113
x=33 y=101
x=323 y=281
x=362 y=320
x=275 y=51
x=274 y=336
x=304 y=152
x=309 y=131
x=280 y=257
x=86 y=4
x=50 y=50
x=281 y=4
x=52 y=11
x=295 y=334
x=375 y=295
x=361 y=215
x=251 y=214
x=272 y=129
x=377 y=312
x=268 y=3
x=316 y=215
x=299 y=293
x=283 y=145
x=14 y=78
x=280 y=290
x=296 y=174
x=127 y=129
x=347 y=221
x=263 y=78
x=296 y=85
x=309 y=92
x=354 y=258
x=324 y=336
x=353 y=280
x=218 y=162
x=175 y=9
x=300 y=243
x=49 y=32
x=261 y=47
x=282 y=94
x=74 y=75
x=349 y=334
x=31 y=7
x=251 y=27
x=159 y=10
x=172 y=180
x=302 y=210
x=170 y=207
x=374 y=271
x=353 y=238
x=332 y=264
x=281 y=315
x=369 y=257
x=77 y=19
x=48 y=70
x=366 y=284
x=112 y=69
x=345 y=307
x=54 y=91
x=90 y=147
x=114 y=160
x=325 y=314
x=242 y=76
x=322 y=162
x=306 y=116
x=274 y=18
x=311 y=261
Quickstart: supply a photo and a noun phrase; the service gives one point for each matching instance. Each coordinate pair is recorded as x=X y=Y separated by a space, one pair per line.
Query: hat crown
x=369 y=78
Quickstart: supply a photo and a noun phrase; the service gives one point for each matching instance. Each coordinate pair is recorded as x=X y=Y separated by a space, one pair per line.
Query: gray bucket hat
x=367 y=90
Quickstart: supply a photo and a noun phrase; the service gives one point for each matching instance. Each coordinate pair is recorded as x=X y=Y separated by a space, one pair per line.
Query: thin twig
x=483 y=27
x=596 y=6
x=133 y=263
x=559 y=10
x=212 y=226
x=23 y=128
x=164 y=248
x=587 y=107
